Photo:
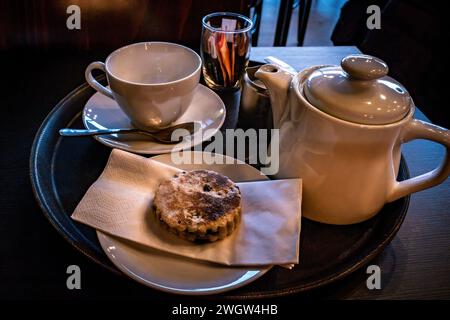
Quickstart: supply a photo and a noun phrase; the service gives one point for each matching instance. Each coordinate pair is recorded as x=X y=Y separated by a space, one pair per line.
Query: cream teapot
x=341 y=130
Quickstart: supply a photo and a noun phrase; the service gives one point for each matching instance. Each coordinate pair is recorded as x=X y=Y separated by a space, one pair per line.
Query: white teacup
x=153 y=82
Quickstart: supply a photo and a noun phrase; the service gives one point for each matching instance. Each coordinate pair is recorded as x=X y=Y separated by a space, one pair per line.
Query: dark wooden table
x=34 y=257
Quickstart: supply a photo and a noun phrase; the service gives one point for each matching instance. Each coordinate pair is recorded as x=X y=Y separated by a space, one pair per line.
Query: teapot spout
x=277 y=80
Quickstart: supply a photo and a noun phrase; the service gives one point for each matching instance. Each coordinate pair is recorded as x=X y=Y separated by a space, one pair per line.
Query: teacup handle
x=94 y=83
x=417 y=129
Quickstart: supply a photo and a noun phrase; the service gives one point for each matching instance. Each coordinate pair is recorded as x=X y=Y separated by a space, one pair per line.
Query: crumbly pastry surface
x=199 y=205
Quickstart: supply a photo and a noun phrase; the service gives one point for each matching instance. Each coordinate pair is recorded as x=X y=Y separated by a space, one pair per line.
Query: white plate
x=101 y=112
x=177 y=274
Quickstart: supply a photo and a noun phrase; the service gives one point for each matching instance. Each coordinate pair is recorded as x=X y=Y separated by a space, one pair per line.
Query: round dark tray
x=62 y=169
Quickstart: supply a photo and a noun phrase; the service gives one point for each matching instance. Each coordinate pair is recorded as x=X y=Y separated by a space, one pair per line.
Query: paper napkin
x=120 y=203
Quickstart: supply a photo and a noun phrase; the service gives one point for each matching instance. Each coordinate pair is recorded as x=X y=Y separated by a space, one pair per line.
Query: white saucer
x=177 y=274
x=101 y=112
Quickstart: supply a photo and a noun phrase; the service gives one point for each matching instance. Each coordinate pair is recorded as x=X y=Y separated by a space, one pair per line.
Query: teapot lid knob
x=364 y=67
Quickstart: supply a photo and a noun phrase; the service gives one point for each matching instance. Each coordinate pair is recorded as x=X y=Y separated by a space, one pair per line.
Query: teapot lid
x=359 y=92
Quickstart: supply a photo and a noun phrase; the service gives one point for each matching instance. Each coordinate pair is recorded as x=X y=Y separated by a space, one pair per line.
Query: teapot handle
x=417 y=129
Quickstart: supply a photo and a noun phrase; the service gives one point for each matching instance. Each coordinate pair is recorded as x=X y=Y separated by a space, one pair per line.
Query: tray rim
x=38 y=194
x=340 y=275
x=37 y=191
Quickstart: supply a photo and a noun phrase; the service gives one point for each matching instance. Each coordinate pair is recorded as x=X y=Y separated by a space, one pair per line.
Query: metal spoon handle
x=67 y=132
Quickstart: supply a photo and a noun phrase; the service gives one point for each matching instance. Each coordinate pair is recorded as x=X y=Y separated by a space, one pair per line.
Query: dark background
x=41 y=61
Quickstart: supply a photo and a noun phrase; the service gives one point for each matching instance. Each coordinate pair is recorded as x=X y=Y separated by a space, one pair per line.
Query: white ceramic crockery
x=101 y=112
x=341 y=131
x=152 y=82
x=181 y=275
